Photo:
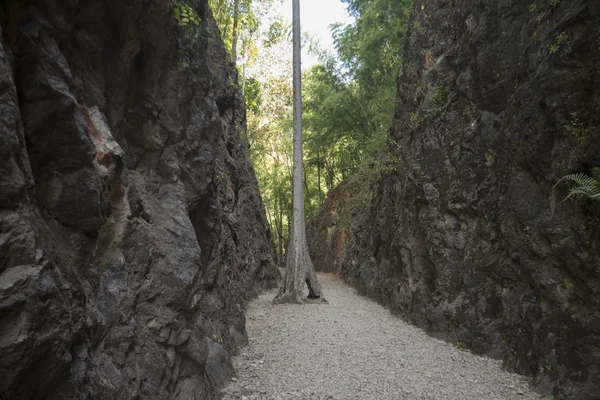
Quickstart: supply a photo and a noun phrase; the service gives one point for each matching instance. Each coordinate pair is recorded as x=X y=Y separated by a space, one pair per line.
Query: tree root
x=296 y=298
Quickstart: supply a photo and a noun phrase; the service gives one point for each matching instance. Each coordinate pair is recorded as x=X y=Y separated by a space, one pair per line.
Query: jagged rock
x=466 y=235
x=328 y=230
x=122 y=274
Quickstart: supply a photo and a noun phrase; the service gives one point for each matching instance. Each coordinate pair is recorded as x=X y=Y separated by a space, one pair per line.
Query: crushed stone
x=353 y=348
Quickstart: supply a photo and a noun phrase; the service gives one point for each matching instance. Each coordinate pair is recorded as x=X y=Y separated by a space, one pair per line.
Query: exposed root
x=297 y=298
x=288 y=297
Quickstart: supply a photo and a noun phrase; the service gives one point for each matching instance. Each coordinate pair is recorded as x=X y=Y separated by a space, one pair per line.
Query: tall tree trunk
x=319 y=178
x=234 y=36
x=299 y=267
x=270 y=219
x=243 y=67
x=280 y=231
x=278 y=227
x=306 y=188
x=329 y=172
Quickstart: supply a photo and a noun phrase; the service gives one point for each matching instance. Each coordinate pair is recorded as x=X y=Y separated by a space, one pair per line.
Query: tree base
x=296 y=298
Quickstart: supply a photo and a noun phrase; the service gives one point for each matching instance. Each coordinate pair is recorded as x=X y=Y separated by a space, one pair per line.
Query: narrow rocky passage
x=352 y=348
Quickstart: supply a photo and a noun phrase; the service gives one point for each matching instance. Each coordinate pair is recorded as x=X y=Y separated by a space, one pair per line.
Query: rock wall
x=132 y=232
x=465 y=234
x=328 y=230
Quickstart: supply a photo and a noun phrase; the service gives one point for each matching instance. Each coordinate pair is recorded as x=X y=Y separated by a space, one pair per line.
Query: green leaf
x=184 y=15
x=586 y=186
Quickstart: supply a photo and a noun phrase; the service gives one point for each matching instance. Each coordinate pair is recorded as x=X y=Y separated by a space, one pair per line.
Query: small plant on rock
x=189 y=23
x=577 y=128
x=185 y=15
x=586 y=185
x=414 y=121
x=560 y=39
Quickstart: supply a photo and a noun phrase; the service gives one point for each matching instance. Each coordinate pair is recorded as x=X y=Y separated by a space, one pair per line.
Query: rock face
x=464 y=234
x=131 y=228
x=327 y=231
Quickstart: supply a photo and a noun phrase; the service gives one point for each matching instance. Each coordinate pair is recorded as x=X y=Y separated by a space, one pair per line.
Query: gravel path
x=352 y=348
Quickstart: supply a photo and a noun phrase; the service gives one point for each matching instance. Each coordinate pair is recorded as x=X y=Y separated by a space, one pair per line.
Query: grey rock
x=468 y=238
x=218 y=366
x=122 y=274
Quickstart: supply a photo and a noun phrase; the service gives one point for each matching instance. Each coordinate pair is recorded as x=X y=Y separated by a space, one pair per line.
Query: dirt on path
x=352 y=348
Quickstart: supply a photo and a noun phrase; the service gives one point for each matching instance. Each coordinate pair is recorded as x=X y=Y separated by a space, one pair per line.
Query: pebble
x=352 y=348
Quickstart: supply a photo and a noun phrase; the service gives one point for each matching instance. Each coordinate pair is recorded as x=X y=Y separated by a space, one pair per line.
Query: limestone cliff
x=461 y=231
x=131 y=228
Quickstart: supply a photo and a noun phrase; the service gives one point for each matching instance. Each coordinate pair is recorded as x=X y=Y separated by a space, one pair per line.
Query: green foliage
x=277 y=30
x=190 y=30
x=577 y=128
x=371 y=47
x=560 y=39
x=185 y=15
x=414 y=121
x=437 y=100
x=540 y=18
x=331 y=119
x=269 y=102
x=585 y=186
x=544 y=12
x=252 y=95
x=249 y=15
x=348 y=99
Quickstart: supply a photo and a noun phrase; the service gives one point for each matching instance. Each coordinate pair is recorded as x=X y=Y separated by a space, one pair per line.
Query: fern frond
x=577 y=192
x=581 y=179
x=585 y=185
